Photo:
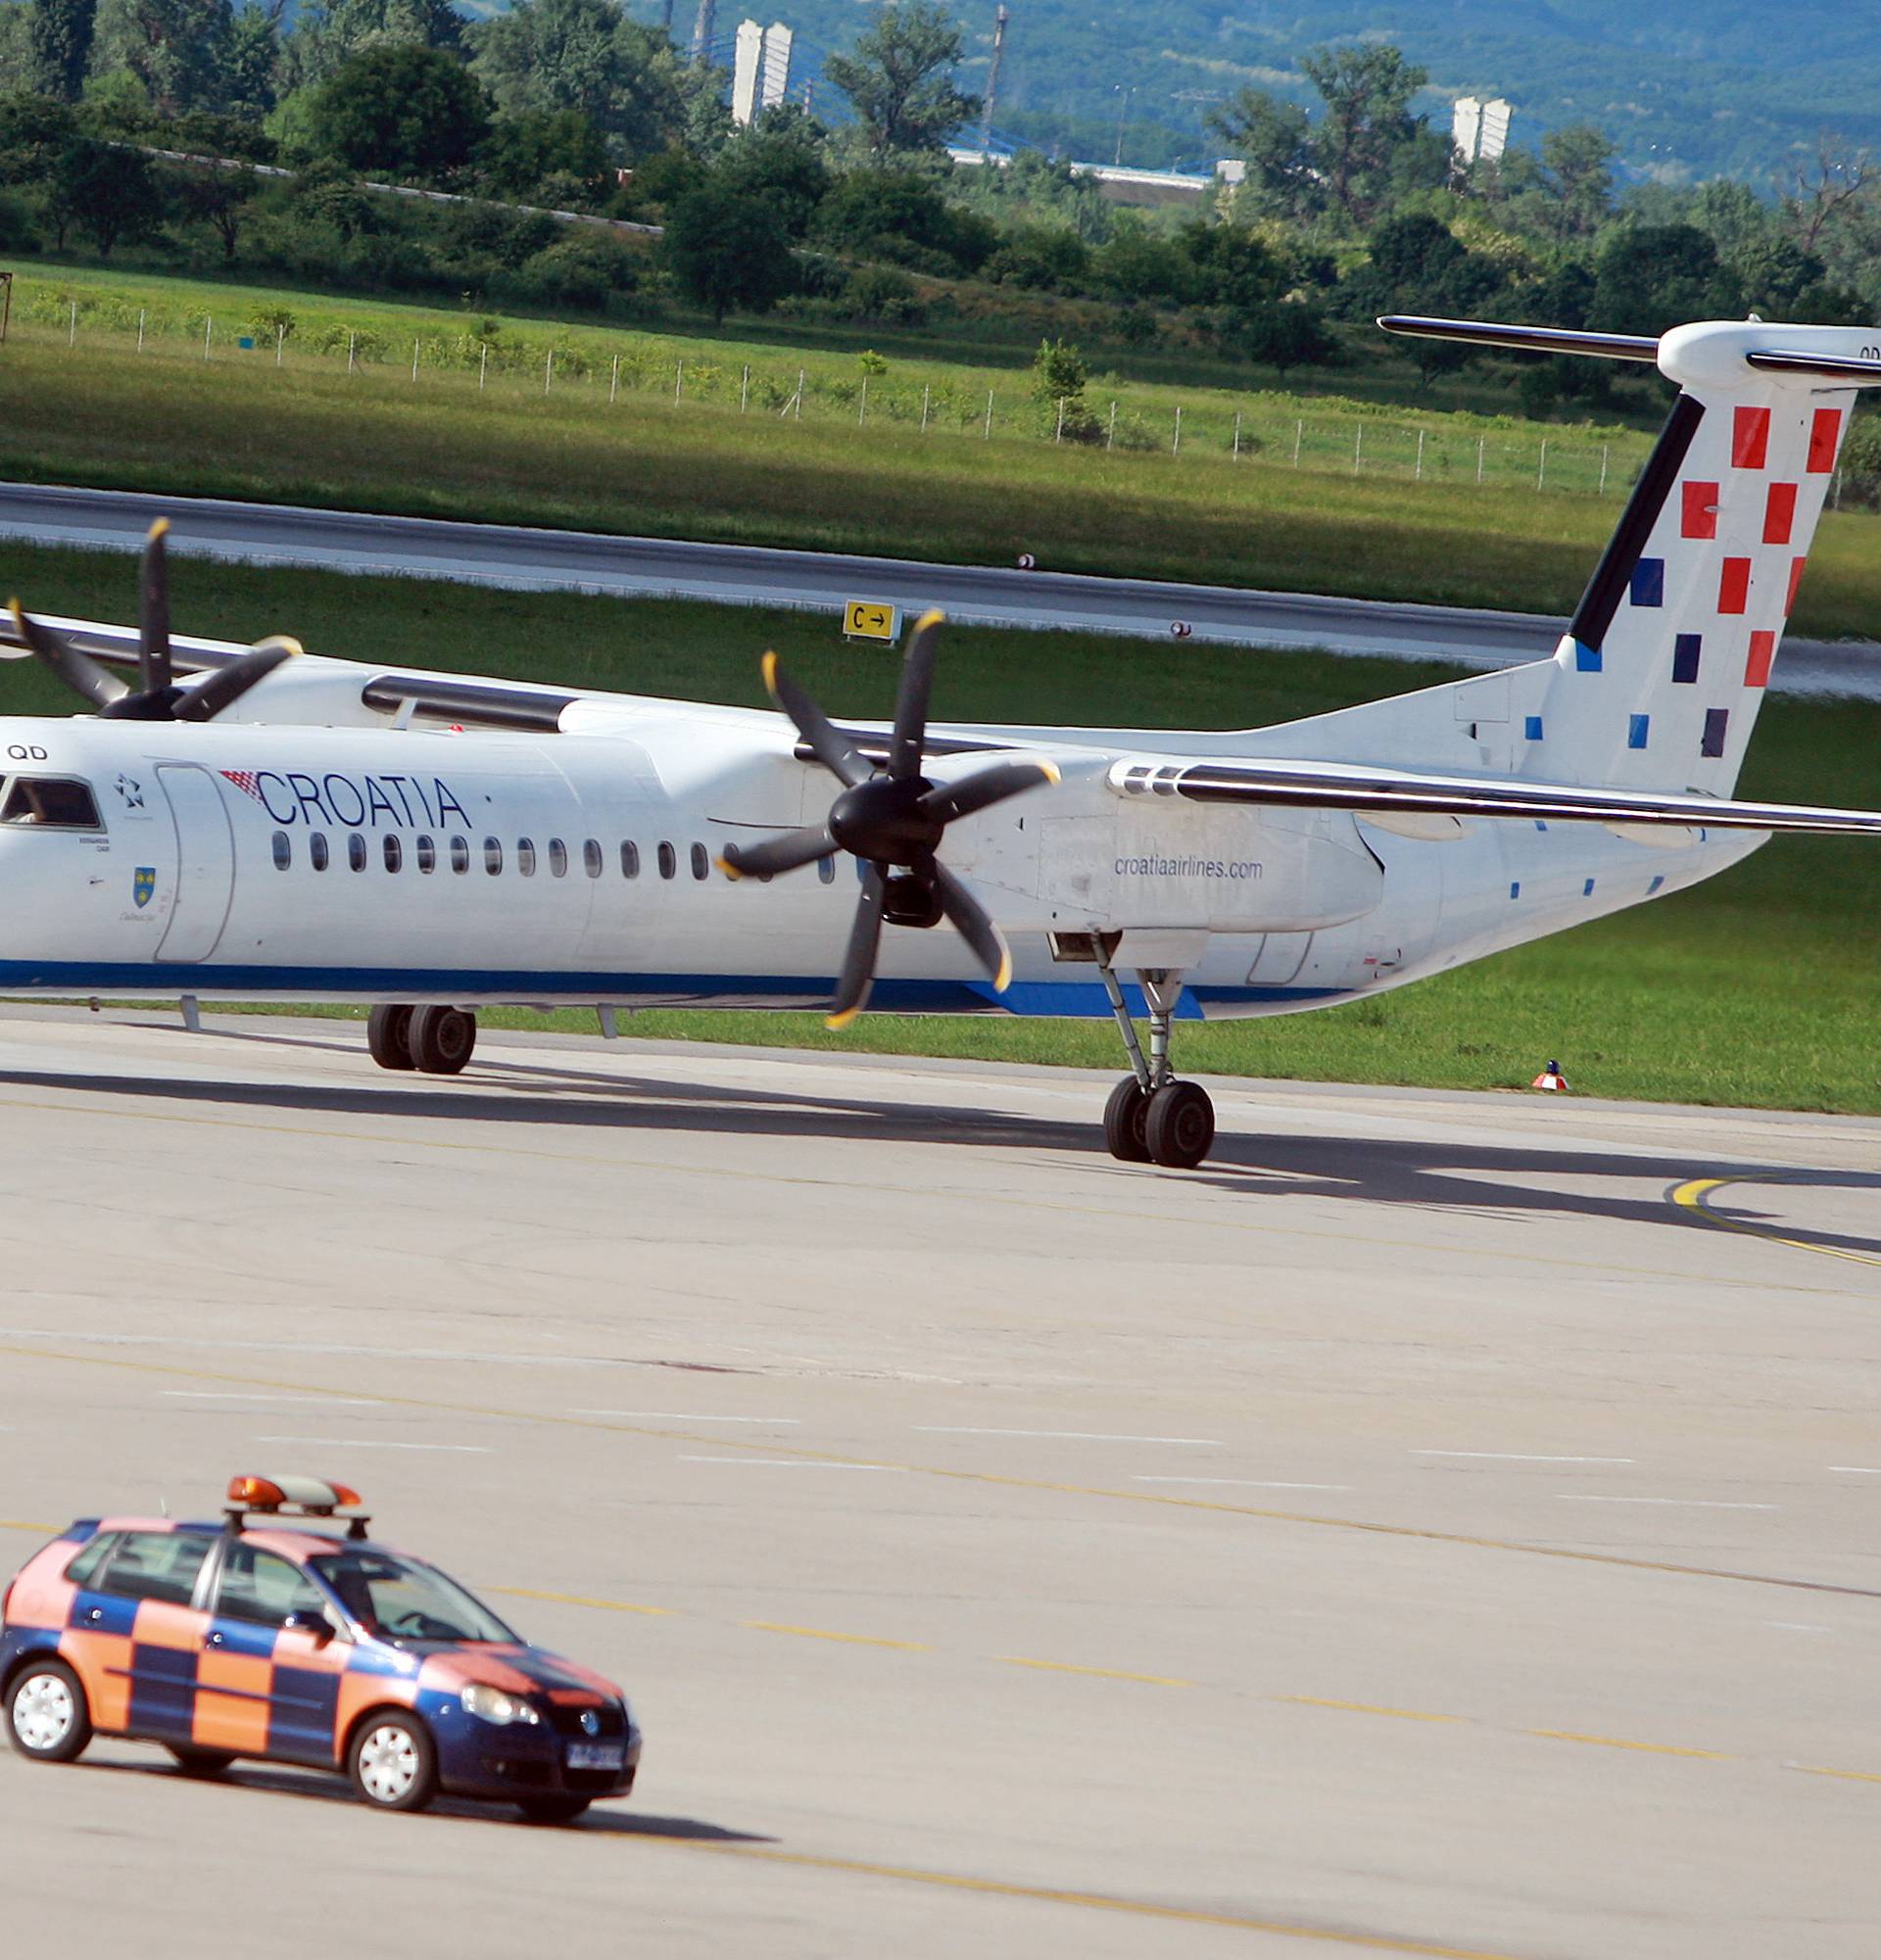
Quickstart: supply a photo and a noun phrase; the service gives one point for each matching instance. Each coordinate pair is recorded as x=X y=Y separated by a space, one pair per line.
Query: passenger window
x=58 y=805
x=427 y=854
x=492 y=856
x=826 y=870
x=558 y=858
x=154 y=1566
x=525 y=857
x=263 y=1588
x=356 y=851
x=283 y=851
x=701 y=862
x=460 y=855
x=316 y=849
x=629 y=860
x=82 y=1568
x=393 y=853
x=668 y=861
x=591 y=858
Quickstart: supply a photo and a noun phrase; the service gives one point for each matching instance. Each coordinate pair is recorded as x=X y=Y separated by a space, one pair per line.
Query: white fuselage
x=255 y=861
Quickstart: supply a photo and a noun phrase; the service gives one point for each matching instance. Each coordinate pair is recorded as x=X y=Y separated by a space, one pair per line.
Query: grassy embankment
x=1757 y=988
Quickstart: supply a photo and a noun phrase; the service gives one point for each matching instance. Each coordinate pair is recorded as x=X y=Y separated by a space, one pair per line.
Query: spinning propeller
x=157 y=697
x=892 y=820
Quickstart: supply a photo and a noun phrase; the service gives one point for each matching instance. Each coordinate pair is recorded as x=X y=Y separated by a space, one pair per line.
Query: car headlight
x=492 y=1705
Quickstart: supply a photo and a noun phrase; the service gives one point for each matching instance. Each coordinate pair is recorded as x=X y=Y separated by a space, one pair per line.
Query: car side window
x=154 y=1566
x=83 y=1570
x=263 y=1588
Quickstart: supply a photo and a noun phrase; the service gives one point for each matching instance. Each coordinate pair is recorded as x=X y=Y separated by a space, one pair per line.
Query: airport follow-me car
x=286 y=825
x=272 y=1635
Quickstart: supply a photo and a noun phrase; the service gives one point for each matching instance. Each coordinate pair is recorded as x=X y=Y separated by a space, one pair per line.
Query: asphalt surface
x=513 y=555
x=1421 y=1531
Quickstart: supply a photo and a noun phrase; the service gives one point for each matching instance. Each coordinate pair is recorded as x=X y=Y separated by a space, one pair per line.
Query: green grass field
x=1757 y=988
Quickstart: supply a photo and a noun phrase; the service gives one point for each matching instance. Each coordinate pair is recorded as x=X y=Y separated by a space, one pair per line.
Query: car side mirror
x=315 y=1624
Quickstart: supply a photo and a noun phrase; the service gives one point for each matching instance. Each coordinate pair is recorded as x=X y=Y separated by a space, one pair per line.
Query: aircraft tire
x=1125 y=1119
x=1181 y=1125
x=442 y=1039
x=388 y=1035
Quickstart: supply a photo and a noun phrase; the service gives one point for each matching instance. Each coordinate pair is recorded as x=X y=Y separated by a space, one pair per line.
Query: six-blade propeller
x=158 y=695
x=892 y=820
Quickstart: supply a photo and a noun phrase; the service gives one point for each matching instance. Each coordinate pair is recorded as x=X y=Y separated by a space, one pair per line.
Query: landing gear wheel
x=1126 y=1119
x=199 y=1762
x=388 y=1036
x=442 y=1038
x=392 y=1762
x=1181 y=1127
x=47 y=1717
x=553 y=1809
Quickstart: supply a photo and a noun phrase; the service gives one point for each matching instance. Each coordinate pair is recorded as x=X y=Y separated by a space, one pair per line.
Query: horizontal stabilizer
x=1332 y=786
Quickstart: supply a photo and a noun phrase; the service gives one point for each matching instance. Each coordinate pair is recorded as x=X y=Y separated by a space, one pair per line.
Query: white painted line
x=1691 y=1504
x=681 y=1416
x=1245 y=1483
x=228 y=1395
x=1797 y=1625
x=1854 y=1470
x=1514 y=1457
x=354 y=1443
x=790 y=1464
x=1071 y=1436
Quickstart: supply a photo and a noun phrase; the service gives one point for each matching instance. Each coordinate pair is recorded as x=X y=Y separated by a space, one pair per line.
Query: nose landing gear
x=1151 y=1118
x=437 y=1040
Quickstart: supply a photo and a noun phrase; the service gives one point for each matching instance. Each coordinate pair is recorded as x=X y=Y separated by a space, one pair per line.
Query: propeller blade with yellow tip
x=987 y=786
x=911 y=698
x=814 y=726
x=770 y=855
x=154 y=670
x=227 y=685
x=78 y=669
x=971 y=922
x=853 y=984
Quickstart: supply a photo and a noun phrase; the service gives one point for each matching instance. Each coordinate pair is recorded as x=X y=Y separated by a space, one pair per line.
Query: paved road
x=516 y=556
x=1416 y=1533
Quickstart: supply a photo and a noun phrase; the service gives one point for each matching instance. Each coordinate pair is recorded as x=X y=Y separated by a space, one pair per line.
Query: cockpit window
x=50 y=801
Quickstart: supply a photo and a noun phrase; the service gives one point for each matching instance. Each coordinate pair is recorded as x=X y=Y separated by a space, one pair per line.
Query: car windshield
x=402 y=1599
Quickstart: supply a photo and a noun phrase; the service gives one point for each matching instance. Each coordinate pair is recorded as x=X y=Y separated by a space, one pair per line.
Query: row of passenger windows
x=425 y=855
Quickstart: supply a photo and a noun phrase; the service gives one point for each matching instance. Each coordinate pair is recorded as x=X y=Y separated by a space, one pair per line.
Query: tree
x=174 y=49
x=1649 y=277
x=1577 y=178
x=325 y=36
x=61 y=34
x=251 y=61
x=220 y=198
x=779 y=155
x=1232 y=267
x=1274 y=140
x=1284 y=334
x=1821 y=192
x=404 y=110
x=1042 y=258
x=899 y=79
x=585 y=55
x=32 y=133
x=728 y=250
x=522 y=152
x=901 y=214
x=106 y=191
x=1367 y=92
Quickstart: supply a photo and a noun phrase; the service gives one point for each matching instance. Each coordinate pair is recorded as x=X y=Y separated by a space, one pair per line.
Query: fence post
x=1299 y=430
x=613 y=380
x=414 y=357
x=1602 y=492
x=1541 y=474
x=352 y=349
x=743 y=386
x=1058 y=435
x=862 y=407
x=926 y=389
x=140 y=328
x=1419 y=477
x=1358 y=447
x=679 y=381
x=548 y=371
x=72 y=331
x=483 y=363
x=1175 y=448
x=1238 y=434
x=988 y=434
x=1110 y=439
x=1480 y=440
x=281 y=339
x=209 y=327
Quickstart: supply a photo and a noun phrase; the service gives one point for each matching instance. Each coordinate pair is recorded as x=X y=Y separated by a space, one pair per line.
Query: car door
x=267 y=1689
x=138 y=1633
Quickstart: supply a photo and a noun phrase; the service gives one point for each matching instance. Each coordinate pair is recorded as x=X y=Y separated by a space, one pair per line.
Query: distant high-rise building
x=1479 y=129
x=774 y=76
x=761 y=69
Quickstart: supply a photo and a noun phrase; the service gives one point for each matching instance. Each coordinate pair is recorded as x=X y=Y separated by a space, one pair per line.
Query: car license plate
x=597 y=1755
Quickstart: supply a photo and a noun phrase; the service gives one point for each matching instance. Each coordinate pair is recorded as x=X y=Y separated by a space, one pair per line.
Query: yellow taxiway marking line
x=1373 y=1942
x=825 y=1633
x=1691 y=1196
x=1366 y=1709
x=1621 y=1742
x=1218 y=1506
x=1103 y=1673
x=1848 y=1775
x=583 y=1599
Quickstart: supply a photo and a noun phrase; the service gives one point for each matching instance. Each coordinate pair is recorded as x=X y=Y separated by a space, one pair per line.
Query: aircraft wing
x=1392 y=793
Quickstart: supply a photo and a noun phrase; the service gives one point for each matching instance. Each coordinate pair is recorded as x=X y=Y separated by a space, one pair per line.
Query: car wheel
x=199 y=1762
x=47 y=1716
x=553 y=1809
x=393 y=1764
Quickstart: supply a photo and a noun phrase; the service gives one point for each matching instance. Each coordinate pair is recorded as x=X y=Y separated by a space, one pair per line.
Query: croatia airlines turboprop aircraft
x=284 y=825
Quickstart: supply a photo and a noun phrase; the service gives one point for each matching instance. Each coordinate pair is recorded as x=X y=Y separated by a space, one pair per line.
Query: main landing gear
x=437 y=1040
x=1151 y=1118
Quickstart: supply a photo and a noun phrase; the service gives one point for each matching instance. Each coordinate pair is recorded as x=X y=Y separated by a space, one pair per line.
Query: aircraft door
x=205 y=863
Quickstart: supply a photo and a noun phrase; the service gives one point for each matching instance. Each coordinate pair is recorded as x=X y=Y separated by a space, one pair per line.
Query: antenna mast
x=999 y=21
